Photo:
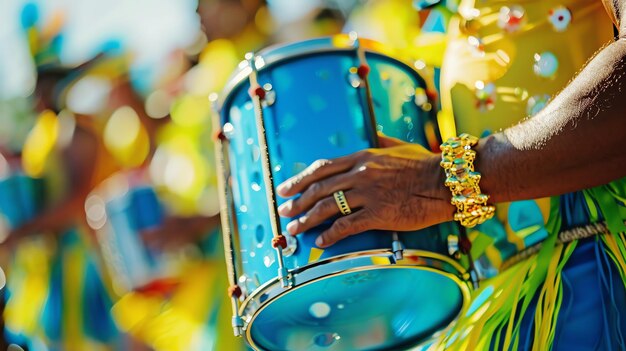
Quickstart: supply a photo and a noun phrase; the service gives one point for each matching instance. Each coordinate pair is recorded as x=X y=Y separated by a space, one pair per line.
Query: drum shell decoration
x=316 y=107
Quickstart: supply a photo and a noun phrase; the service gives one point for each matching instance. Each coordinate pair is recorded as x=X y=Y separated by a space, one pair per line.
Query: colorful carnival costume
x=504 y=62
x=56 y=296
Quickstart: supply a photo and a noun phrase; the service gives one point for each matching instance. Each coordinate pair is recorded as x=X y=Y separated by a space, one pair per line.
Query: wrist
x=441 y=195
x=493 y=159
x=457 y=159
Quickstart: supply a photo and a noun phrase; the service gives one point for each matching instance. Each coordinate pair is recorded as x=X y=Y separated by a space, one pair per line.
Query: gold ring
x=342 y=203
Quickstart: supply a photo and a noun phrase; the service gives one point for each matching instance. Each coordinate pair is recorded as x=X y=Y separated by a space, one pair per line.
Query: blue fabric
x=574 y=210
x=53 y=310
x=97 y=320
x=593 y=288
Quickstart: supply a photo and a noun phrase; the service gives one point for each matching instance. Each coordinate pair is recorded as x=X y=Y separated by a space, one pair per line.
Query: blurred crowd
x=105 y=134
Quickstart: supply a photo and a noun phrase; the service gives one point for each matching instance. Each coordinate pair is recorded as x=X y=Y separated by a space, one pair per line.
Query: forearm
x=55 y=219
x=576 y=142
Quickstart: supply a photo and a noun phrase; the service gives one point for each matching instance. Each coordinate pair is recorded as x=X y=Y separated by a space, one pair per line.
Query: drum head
x=366 y=309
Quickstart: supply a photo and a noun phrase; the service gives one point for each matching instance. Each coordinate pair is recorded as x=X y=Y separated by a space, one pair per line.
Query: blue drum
x=377 y=290
x=119 y=210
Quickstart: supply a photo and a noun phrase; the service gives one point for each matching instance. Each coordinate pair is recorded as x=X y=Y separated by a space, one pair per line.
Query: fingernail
x=319 y=241
x=303 y=219
x=285 y=207
x=281 y=189
x=291 y=227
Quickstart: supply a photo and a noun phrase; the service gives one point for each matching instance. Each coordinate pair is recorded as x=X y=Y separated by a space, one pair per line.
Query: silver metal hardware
x=453 y=245
x=292 y=245
x=397 y=247
x=270 y=95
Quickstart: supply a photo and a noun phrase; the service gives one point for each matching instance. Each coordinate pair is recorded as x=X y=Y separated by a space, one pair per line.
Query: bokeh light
x=126 y=138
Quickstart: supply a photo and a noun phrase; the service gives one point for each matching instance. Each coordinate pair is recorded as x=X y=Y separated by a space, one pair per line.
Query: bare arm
x=577 y=142
x=179 y=231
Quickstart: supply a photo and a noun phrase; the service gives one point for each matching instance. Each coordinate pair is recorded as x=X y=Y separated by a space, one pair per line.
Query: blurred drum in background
x=320 y=99
x=119 y=210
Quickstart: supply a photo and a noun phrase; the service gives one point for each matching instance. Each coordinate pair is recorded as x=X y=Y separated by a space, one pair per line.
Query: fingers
x=354 y=223
x=385 y=141
x=320 y=169
x=323 y=210
x=316 y=192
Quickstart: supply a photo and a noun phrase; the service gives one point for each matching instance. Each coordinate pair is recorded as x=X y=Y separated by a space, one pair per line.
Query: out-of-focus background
x=106 y=157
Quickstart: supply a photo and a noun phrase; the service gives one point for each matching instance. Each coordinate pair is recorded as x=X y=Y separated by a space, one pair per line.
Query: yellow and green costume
x=505 y=61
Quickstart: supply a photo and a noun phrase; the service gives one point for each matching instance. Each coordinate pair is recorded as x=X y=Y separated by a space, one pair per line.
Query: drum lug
x=292 y=245
x=354 y=79
x=270 y=95
x=397 y=247
x=284 y=277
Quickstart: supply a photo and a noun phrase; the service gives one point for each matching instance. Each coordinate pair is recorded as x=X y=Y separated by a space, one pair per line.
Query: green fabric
x=609 y=207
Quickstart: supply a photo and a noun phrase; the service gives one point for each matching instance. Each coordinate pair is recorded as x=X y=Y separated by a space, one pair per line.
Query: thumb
x=385 y=141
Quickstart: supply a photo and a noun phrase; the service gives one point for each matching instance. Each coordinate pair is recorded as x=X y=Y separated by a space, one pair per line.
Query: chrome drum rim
x=264 y=295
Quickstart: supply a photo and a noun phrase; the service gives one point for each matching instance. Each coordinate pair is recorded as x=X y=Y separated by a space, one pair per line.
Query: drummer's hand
x=398 y=187
x=176 y=232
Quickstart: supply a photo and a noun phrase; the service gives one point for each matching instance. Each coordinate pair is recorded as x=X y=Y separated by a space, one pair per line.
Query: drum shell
x=316 y=107
x=313 y=95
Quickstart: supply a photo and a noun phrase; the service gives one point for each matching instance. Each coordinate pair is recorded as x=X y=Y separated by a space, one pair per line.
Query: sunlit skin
x=382 y=186
x=576 y=142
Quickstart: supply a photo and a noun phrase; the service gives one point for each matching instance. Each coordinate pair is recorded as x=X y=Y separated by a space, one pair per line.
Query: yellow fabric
x=73 y=263
x=28 y=277
x=40 y=144
x=483 y=52
x=183 y=321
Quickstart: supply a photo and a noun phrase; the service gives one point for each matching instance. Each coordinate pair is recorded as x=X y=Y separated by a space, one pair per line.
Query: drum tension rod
x=279 y=242
x=223 y=173
x=363 y=72
x=234 y=292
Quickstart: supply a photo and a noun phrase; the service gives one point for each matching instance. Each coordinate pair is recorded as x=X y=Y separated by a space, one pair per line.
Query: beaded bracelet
x=457 y=159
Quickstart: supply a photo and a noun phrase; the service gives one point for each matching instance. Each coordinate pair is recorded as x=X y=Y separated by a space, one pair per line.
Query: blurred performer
x=246 y=23
x=67 y=148
x=90 y=160
x=557 y=265
x=75 y=315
